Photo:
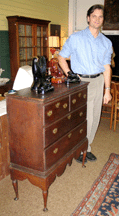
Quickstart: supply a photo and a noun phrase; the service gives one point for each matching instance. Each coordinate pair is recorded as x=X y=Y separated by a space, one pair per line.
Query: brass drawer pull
x=69 y=135
x=55 y=151
x=69 y=116
x=81 y=131
x=49 y=113
x=74 y=101
x=57 y=105
x=81 y=114
x=79 y=95
x=65 y=105
x=54 y=130
x=84 y=96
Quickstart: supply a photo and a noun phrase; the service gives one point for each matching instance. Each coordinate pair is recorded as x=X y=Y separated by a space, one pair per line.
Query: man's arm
x=63 y=64
x=107 y=81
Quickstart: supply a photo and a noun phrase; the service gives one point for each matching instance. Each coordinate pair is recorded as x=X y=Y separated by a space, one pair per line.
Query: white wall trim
x=72 y=16
x=110 y=32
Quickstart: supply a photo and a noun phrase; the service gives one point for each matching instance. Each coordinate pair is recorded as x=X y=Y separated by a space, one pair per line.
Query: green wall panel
x=4 y=54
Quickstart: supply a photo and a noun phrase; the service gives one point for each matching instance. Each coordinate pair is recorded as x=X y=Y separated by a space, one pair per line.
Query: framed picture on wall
x=111 y=15
x=55 y=30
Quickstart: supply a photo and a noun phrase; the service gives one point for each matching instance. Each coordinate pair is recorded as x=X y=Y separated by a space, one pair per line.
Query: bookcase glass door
x=42 y=41
x=32 y=44
x=28 y=37
x=26 y=49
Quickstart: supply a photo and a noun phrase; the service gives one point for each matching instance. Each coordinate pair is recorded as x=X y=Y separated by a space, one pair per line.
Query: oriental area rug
x=103 y=198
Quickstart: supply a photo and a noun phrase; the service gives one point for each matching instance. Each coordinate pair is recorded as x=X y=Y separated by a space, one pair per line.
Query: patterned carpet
x=103 y=198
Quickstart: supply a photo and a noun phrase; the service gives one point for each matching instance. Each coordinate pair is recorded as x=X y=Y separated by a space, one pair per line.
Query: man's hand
x=107 y=97
x=107 y=80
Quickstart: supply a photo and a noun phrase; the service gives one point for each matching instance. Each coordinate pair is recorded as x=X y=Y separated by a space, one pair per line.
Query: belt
x=89 y=76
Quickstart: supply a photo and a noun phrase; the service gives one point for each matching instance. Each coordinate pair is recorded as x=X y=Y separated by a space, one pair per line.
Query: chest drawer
x=78 y=99
x=56 y=110
x=56 y=151
x=61 y=127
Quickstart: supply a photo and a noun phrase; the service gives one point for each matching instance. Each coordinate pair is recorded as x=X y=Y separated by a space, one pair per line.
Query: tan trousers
x=94 y=105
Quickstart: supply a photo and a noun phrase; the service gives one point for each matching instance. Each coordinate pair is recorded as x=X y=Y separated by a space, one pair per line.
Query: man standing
x=90 y=53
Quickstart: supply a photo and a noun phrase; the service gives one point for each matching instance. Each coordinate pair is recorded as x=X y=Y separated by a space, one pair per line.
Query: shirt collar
x=90 y=34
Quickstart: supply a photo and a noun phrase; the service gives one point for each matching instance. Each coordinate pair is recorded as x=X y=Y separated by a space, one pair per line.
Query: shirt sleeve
x=108 y=54
x=67 y=48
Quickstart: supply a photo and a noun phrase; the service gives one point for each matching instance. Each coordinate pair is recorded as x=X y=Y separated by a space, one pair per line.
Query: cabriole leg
x=45 y=195
x=84 y=156
x=15 y=186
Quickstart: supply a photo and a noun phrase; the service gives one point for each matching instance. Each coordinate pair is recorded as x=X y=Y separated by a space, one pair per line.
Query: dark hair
x=94 y=7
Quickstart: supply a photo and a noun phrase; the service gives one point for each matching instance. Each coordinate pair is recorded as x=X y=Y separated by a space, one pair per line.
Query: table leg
x=45 y=195
x=15 y=186
x=84 y=156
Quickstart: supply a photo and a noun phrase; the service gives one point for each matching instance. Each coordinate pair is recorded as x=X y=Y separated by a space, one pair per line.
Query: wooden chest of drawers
x=45 y=133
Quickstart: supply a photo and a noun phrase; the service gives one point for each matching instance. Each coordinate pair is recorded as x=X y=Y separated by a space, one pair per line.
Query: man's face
x=95 y=19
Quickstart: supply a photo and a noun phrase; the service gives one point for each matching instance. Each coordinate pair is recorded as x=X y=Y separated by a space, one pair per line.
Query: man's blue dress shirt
x=88 y=54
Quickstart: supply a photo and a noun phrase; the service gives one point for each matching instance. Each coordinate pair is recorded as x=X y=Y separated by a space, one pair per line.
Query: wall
x=77 y=21
x=77 y=13
x=55 y=11
x=81 y=21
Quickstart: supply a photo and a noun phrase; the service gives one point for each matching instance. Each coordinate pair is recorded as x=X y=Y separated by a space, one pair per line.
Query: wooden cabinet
x=27 y=38
x=45 y=133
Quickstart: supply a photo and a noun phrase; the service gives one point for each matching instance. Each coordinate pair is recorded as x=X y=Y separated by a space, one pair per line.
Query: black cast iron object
x=41 y=82
x=72 y=78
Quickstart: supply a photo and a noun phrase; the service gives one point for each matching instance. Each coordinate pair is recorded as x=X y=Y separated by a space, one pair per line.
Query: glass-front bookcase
x=28 y=37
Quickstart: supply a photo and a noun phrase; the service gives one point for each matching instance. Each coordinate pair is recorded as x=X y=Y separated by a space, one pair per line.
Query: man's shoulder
x=78 y=33
x=106 y=38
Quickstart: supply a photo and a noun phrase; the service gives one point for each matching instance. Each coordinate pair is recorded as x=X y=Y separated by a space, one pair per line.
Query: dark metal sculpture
x=72 y=78
x=42 y=82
